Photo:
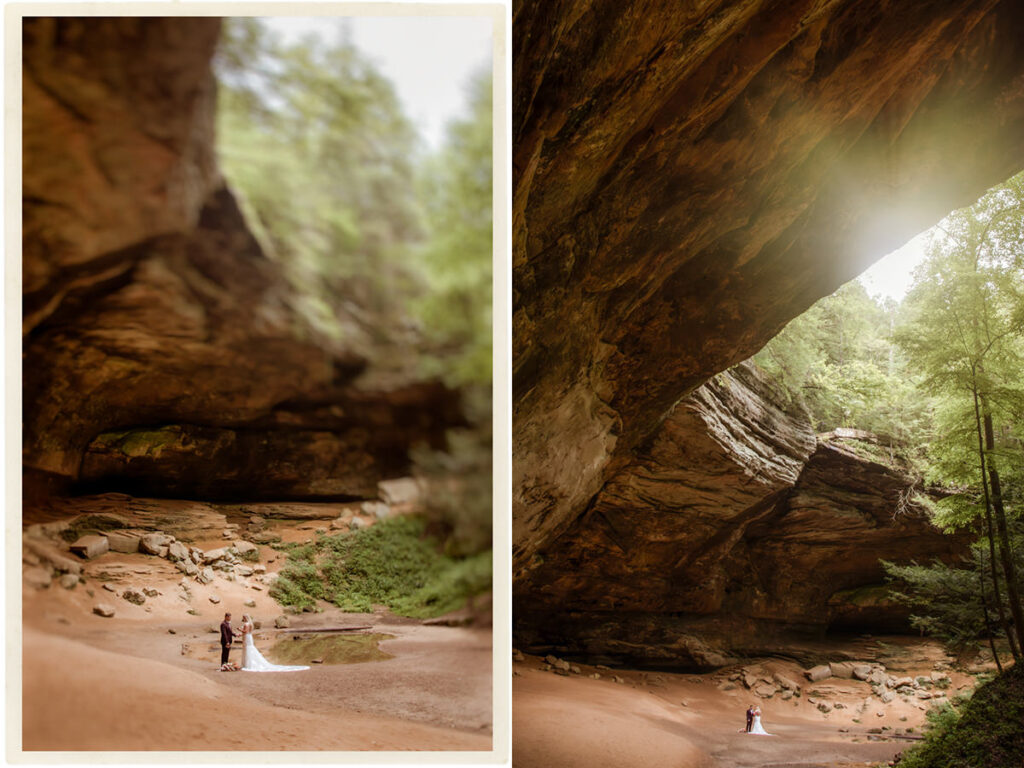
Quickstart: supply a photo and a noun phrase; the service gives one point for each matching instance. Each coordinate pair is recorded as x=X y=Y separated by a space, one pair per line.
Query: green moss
x=141 y=442
x=985 y=730
x=90 y=524
x=393 y=563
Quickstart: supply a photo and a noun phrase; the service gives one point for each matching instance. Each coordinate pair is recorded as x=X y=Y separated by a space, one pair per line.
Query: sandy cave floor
x=664 y=720
x=127 y=683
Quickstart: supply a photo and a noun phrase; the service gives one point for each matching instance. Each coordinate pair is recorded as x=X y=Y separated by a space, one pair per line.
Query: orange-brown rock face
x=733 y=531
x=690 y=176
x=161 y=351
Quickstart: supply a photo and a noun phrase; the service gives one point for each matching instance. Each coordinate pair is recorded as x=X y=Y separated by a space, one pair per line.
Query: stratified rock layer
x=734 y=531
x=162 y=350
x=687 y=178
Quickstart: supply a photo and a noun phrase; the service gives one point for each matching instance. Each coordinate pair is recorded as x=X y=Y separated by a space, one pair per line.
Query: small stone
x=150 y=592
x=257 y=587
x=879 y=714
x=861 y=671
x=151 y=543
x=574 y=669
x=887 y=696
x=37 y=577
x=250 y=603
x=316 y=661
x=205 y=576
x=618 y=679
x=110 y=588
x=177 y=551
x=213 y=555
x=282 y=621
x=172 y=631
x=824 y=706
x=104 y=610
x=133 y=596
x=214 y=599
x=69 y=580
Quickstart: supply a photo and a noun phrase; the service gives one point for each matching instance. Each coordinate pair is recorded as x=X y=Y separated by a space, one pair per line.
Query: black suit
x=750 y=719
x=226 y=635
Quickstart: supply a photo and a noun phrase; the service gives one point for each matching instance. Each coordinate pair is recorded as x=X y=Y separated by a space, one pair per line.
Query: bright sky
x=429 y=59
x=891 y=275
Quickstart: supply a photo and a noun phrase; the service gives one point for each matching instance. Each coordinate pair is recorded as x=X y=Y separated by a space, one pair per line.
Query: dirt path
x=687 y=721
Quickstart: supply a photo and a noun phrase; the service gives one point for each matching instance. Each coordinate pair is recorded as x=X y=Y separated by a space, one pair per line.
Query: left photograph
x=257 y=438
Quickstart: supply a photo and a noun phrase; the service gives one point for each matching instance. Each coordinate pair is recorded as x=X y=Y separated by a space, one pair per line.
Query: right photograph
x=768 y=401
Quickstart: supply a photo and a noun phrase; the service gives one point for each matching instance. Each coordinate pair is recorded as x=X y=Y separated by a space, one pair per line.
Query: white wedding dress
x=253 y=661
x=757 y=727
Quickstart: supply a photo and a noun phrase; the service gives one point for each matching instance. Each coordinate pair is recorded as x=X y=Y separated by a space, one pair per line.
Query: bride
x=756 y=727
x=252 y=659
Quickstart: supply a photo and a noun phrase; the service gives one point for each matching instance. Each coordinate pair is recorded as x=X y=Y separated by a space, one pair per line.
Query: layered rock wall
x=162 y=351
x=689 y=177
x=734 y=531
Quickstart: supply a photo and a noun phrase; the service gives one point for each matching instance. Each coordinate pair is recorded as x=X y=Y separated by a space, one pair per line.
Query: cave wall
x=734 y=531
x=162 y=353
x=689 y=177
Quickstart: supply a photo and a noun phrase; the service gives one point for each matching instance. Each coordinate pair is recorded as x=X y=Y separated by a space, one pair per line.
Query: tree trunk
x=990 y=535
x=1009 y=570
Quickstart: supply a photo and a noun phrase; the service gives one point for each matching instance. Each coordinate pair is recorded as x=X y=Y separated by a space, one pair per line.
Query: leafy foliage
x=388 y=246
x=392 y=563
x=985 y=730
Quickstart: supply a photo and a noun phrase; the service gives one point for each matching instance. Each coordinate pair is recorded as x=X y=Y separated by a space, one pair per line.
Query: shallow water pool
x=330 y=648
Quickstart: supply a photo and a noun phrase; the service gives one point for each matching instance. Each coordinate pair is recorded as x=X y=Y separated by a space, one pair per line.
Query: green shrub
x=394 y=563
x=985 y=730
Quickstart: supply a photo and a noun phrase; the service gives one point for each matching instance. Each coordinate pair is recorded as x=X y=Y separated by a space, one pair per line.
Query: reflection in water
x=332 y=648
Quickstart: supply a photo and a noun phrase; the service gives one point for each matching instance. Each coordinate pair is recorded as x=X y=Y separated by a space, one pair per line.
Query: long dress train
x=758 y=728
x=253 y=661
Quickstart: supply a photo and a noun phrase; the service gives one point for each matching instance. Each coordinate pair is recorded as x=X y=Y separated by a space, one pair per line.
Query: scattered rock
x=213 y=555
x=133 y=596
x=245 y=547
x=377 y=509
x=205 y=576
x=861 y=671
x=177 y=551
x=187 y=567
x=37 y=577
x=104 y=610
x=887 y=696
x=243 y=570
x=91 y=546
x=786 y=695
x=150 y=592
x=250 y=603
x=824 y=706
x=214 y=599
x=820 y=672
x=69 y=580
x=316 y=661
x=765 y=690
x=618 y=679
x=879 y=714
x=110 y=588
x=728 y=686
x=786 y=682
x=151 y=543
x=282 y=621
x=172 y=631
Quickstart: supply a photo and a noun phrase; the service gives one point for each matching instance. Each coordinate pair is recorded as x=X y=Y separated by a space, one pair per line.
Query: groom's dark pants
x=224 y=650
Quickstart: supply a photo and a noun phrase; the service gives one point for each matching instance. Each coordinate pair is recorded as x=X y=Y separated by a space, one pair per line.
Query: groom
x=226 y=635
x=750 y=717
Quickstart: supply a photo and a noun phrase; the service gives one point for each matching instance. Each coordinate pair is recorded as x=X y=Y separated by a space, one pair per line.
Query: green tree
x=964 y=331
